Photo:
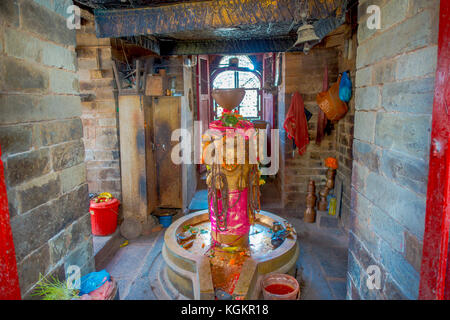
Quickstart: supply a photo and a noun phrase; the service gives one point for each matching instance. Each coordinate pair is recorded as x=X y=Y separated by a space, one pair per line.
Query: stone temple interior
x=197 y=150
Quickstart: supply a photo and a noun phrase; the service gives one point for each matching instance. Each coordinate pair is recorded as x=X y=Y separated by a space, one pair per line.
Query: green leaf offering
x=229 y=120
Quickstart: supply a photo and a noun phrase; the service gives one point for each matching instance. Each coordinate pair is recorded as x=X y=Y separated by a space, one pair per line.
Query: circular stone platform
x=189 y=270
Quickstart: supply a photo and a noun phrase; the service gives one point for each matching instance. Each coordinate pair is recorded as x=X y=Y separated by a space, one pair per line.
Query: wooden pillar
x=435 y=270
x=133 y=110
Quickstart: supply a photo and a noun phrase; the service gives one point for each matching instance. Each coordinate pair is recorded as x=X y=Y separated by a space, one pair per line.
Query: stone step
x=324 y=220
x=160 y=284
x=105 y=248
x=167 y=286
x=155 y=282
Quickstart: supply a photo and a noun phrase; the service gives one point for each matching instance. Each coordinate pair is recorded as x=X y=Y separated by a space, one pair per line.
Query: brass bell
x=307 y=37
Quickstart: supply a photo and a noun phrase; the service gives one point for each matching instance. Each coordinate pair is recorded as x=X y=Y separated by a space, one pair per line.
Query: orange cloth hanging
x=296 y=125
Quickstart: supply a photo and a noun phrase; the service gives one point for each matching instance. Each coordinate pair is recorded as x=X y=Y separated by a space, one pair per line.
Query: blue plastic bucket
x=165 y=221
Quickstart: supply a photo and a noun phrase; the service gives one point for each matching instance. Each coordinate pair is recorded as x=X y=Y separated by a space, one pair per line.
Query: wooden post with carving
x=310 y=213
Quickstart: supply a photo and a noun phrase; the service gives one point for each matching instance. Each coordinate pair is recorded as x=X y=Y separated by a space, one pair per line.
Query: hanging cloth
x=296 y=125
x=322 y=119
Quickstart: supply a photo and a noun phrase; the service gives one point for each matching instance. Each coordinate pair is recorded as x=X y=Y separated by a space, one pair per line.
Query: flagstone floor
x=322 y=263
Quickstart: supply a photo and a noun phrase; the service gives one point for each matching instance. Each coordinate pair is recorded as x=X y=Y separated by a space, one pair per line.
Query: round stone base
x=189 y=272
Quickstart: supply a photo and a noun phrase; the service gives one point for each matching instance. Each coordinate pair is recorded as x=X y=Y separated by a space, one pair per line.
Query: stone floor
x=322 y=264
x=200 y=201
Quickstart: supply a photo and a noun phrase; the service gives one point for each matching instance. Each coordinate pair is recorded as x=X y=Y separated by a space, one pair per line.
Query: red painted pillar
x=435 y=270
x=9 y=280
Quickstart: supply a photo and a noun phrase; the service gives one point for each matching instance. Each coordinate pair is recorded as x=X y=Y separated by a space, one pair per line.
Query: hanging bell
x=307 y=37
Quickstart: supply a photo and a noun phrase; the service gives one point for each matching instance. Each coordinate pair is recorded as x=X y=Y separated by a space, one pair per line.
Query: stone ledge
x=324 y=220
x=105 y=248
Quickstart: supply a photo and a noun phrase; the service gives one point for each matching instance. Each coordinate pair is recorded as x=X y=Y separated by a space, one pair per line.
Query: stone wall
x=346 y=40
x=394 y=99
x=41 y=138
x=99 y=111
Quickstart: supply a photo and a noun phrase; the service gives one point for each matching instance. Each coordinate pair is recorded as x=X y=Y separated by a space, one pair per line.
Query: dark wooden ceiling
x=126 y=4
x=214 y=26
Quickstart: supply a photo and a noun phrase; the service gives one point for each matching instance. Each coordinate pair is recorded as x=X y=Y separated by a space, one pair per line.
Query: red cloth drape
x=296 y=125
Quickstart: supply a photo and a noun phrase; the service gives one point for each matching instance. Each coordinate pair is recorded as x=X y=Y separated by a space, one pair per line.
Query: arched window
x=244 y=62
x=240 y=76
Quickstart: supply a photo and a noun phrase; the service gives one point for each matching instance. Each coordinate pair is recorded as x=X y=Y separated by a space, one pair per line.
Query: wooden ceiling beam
x=207 y=15
x=145 y=42
x=226 y=46
x=323 y=28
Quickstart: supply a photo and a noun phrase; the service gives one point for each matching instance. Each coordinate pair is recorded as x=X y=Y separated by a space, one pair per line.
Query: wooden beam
x=138 y=76
x=226 y=46
x=132 y=110
x=207 y=15
x=117 y=77
x=122 y=50
x=144 y=42
x=148 y=63
x=322 y=28
x=325 y=26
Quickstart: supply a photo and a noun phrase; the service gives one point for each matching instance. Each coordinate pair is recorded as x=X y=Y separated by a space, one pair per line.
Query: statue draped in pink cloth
x=233 y=186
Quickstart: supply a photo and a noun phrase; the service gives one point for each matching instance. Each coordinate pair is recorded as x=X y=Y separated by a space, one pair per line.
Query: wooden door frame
x=201 y=168
x=205 y=57
x=264 y=57
x=9 y=278
x=435 y=269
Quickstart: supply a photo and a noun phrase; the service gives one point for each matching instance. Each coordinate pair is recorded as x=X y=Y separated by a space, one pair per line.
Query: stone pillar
x=41 y=138
x=99 y=111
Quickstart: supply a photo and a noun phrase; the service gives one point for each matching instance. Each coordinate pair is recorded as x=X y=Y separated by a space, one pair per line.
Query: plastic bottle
x=332 y=206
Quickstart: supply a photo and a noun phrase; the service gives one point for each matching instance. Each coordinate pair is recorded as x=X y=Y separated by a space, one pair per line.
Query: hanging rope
x=219 y=191
x=219 y=184
x=253 y=198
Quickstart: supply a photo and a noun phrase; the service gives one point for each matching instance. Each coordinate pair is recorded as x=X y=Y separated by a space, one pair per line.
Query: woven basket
x=330 y=103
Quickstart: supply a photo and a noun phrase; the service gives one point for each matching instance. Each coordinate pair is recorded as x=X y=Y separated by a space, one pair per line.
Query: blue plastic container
x=166 y=221
x=94 y=280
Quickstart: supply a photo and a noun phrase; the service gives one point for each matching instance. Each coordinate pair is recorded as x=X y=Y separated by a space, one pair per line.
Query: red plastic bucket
x=104 y=217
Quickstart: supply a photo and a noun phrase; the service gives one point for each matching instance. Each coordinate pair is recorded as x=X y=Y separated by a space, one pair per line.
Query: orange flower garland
x=331 y=163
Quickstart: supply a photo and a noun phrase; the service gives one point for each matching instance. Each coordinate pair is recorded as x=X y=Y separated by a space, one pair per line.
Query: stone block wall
x=347 y=40
x=394 y=99
x=99 y=111
x=41 y=139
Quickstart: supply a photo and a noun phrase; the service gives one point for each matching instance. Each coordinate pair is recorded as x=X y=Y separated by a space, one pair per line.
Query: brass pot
x=228 y=98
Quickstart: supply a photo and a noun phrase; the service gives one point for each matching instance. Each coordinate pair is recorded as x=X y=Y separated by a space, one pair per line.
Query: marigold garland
x=331 y=163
